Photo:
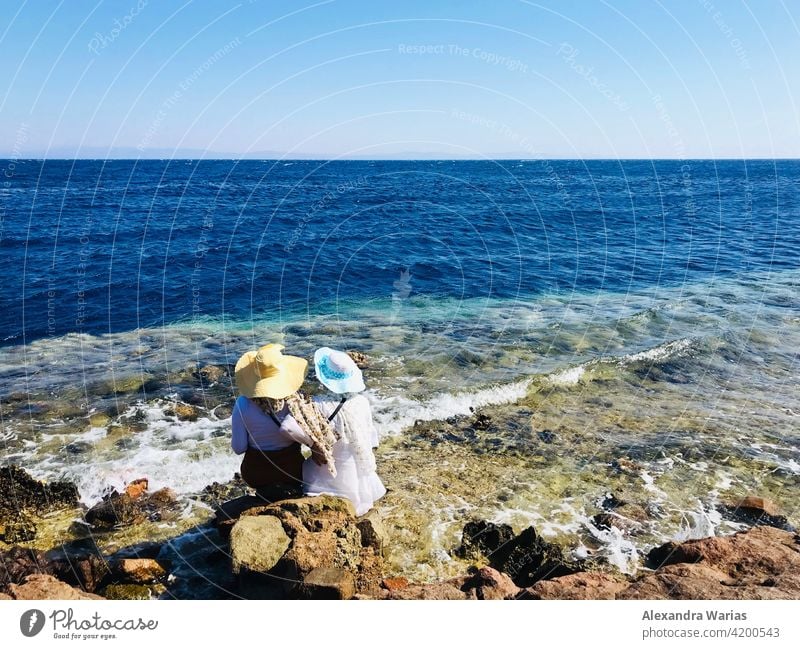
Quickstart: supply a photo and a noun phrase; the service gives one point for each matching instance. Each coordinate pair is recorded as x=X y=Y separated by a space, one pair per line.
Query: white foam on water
x=660 y=352
x=618 y=551
x=185 y=456
x=569 y=376
x=393 y=414
x=698 y=523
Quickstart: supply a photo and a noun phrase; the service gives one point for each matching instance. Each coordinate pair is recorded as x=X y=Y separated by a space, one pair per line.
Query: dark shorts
x=274 y=472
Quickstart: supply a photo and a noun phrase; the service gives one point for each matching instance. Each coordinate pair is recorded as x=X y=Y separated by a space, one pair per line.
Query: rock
x=211 y=374
x=753 y=511
x=137 y=488
x=443 y=590
x=228 y=513
x=3 y=596
x=759 y=563
x=46 y=587
x=607 y=520
x=19 y=491
x=99 y=420
x=19 y=529
x=257 y=543
x=526 y=558
x=394 y=583
x=218 y=494
x=185 y=412
x=627 y=466
x=482 y=538
x=373 y=531
x=488 y=583
x=85 y=570
x=18 y=562
x=760 y=505
x=139 y=571
x=580 y=585
x=76 y=448
x=159 y=501
x=547 y=436
x=120 y=509
x=115 y=510
x=359 y=358
x=328 y=583
x=323 y=532
x=128 y=591
x=611 y=501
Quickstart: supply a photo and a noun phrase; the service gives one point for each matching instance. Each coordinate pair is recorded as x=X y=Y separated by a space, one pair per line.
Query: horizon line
x=385 y=159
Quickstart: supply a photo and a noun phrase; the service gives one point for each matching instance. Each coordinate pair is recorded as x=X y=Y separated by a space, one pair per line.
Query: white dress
x=356 y=478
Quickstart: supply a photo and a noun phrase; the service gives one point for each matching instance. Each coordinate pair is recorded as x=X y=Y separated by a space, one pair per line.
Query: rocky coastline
x=316 y=548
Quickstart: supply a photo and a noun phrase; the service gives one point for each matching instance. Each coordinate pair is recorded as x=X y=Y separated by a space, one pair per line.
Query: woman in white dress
x=351 y=417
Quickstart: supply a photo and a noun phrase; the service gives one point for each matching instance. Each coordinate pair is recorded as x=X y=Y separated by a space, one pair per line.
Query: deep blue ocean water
x=109 y=246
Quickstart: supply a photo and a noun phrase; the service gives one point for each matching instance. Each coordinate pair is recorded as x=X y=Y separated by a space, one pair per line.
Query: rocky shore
x=316 y=548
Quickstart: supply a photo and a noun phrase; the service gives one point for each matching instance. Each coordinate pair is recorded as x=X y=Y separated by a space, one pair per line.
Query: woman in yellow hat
x=263 y=428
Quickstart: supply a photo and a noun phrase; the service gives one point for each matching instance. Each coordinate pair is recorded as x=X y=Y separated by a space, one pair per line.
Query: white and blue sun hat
x=337 y=371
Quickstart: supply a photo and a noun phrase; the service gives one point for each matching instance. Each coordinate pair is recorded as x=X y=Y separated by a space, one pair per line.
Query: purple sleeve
x=239 y=434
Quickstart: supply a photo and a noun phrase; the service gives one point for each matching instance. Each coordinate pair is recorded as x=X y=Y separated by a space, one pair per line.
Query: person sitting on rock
x=264 y=429
x=349 y=412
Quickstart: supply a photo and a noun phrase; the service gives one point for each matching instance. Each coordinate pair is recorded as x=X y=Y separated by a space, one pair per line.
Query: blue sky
x=568 y=79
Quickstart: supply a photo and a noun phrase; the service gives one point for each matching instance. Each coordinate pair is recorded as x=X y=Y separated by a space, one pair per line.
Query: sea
x=631 y=327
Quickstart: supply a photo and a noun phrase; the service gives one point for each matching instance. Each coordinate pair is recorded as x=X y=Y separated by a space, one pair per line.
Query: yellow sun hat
x=268 y=373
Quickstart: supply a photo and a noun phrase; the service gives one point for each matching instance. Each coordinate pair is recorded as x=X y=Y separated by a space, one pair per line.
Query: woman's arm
x=291 y=429
x=239 y=431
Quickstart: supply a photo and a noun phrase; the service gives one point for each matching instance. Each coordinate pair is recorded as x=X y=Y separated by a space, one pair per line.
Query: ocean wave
x=393 y=414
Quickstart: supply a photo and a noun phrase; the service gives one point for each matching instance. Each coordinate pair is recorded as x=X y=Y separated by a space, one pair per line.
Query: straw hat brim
x=288 y=380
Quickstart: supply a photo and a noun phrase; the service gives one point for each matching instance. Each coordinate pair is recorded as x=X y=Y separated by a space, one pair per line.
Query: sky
x=413 y=79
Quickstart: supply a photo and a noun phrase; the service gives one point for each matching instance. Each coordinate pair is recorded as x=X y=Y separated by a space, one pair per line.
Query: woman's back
x=356 y=478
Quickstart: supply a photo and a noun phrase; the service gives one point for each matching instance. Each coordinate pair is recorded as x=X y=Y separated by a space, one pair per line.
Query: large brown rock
x=46 y=587
x=257 y=543
x=581 y=585
x=311 y=533
x=760 y=563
